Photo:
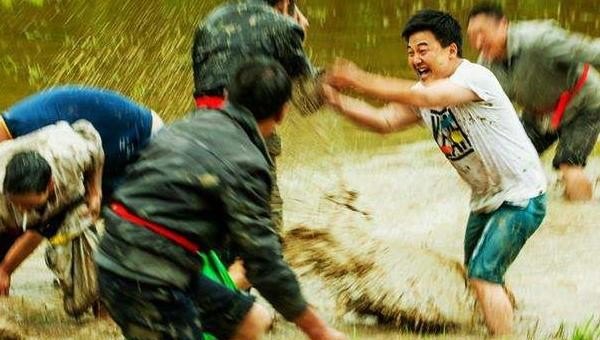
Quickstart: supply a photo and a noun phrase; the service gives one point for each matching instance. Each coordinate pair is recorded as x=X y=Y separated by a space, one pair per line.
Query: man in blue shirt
x=125 y=126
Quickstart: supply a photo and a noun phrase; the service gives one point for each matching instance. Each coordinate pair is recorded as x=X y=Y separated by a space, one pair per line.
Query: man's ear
x=281 y=114
x=453 y=49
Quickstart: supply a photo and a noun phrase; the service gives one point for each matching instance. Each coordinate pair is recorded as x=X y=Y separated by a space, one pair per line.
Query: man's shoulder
x=527 y=33
x=530 y=26
x=247 y=13
x=468 y=69
x=215 y=132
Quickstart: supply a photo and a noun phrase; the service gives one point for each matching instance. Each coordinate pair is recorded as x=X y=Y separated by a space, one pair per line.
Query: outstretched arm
x=345 y=74
x=18 y=252
x=390 y=118
x=252 y=233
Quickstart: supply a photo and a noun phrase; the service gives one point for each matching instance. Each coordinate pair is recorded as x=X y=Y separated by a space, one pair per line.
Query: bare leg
x=496 y=306
x=256 y=323
x=578 y=187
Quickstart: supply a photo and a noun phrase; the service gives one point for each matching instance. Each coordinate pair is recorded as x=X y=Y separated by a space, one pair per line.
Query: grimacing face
x=428 y=58
x=488 y=35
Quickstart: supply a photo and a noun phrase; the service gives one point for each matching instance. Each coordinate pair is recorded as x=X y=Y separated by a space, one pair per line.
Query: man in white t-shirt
x=477 y=129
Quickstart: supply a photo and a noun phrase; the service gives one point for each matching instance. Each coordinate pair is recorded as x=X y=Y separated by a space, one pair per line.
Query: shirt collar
x=248 y=123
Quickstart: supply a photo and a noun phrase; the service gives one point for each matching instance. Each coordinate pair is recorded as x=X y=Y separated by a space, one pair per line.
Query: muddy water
x=412 y=195
x=415 y=198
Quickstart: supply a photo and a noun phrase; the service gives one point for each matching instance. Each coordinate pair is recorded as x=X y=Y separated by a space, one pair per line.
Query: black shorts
x=148 y=311
x=576 y=140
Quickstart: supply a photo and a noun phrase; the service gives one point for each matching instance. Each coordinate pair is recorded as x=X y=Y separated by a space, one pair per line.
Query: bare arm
x=390 y=118
x=18 y=252
x=439 y=94
x=93 y=188
x=92 y=163
x=315 y=328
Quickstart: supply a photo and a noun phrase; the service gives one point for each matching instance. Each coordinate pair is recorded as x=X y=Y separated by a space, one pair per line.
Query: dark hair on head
x=444 y=27
x=492 y=9
x=272 y=2
x=262 y=86
x=27 y=172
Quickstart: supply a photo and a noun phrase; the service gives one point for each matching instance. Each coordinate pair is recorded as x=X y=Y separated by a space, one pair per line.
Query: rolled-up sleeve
x=288 y=42
x=91 y=155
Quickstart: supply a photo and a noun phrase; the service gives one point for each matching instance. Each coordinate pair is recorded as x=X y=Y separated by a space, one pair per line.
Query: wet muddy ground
x=414 y=200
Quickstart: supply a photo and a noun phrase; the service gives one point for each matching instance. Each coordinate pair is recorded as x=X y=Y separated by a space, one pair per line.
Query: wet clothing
x=543 y=61
x=71 y=151
x=235 y=31
x=205 y=177
x=232 y=33
x=147 y=311
x=493 y=240
x=124 y=126
x=486 y=143
x=576 y=140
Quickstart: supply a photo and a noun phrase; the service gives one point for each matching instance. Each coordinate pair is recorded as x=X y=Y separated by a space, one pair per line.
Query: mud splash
x=408 y=287
x=412 y=202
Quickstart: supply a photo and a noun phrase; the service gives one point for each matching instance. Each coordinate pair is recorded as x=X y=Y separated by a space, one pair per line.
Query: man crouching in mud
x=477 y=129
x=200 y=183
x=51 y=183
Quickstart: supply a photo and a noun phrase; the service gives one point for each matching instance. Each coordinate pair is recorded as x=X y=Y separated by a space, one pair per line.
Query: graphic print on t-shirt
x=450 y=137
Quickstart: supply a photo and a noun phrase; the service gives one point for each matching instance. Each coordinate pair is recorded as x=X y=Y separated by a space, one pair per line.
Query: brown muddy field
x=410 y=205
x=406 y=222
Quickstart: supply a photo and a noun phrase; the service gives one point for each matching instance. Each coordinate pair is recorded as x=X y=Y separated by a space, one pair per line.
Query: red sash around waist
x=567 y=96
x=120 y=210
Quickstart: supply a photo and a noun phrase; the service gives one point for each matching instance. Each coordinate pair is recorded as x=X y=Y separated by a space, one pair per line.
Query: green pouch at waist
x=213 y=268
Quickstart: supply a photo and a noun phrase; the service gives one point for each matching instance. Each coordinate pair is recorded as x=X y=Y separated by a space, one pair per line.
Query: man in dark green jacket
x=552 y=75
x=230 y=35
x=202 y=183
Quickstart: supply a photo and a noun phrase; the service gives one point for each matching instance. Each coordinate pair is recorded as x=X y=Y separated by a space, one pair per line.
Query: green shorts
x=493 y=240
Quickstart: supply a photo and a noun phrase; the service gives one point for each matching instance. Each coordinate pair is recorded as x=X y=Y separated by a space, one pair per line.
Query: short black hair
x=262 y=86
x=272 y=2
x=444 y=27
x=27 y=173
x=491 y=9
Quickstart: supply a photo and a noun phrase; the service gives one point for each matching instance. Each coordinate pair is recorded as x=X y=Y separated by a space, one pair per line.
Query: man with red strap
x=230 y=35
x=550 y=73
x=203 y=184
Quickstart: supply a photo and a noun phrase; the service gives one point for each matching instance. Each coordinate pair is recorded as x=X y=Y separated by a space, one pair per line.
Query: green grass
x=589 y=330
